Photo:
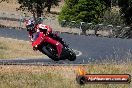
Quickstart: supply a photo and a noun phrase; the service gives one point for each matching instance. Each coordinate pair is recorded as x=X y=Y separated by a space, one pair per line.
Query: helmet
x=29 y=24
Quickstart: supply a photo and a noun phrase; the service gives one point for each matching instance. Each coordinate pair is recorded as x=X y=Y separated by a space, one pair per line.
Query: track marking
x=78 y=53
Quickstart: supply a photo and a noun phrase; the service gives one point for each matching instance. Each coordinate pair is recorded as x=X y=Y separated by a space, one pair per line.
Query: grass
x=11 y=48
x=56 y=76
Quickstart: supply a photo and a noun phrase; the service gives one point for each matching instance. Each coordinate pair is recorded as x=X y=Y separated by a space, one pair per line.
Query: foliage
x=126 y=10
x=4 y=1
x=112 y=17
x=36 y=7
x=108 y=2
x=82 y=10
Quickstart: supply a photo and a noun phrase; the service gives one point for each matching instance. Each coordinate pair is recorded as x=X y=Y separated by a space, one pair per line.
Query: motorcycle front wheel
x=50 y=52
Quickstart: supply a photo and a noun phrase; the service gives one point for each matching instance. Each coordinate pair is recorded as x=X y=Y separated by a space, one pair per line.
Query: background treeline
x=116 y=12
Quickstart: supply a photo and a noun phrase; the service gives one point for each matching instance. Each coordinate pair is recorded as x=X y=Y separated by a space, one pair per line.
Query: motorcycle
x=50 y=50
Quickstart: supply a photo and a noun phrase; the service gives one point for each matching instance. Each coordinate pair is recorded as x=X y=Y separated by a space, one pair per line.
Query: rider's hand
x=31 y=39
x=47 y=33
x=34 y=48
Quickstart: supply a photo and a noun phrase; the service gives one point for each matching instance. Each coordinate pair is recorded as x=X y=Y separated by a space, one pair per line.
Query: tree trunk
x=49 y=5
x=39 y=8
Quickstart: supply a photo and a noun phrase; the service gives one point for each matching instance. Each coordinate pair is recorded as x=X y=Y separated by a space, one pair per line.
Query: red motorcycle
x=50 y=50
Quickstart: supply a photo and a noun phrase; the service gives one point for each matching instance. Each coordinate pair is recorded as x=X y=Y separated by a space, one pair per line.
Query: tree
x=126 y=10
x=36 y=7
x=4 y=1
x=82 y=10
x=107 y=2
x=50 y=3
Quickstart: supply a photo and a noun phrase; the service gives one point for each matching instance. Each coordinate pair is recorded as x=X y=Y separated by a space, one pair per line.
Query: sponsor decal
x=83 y=78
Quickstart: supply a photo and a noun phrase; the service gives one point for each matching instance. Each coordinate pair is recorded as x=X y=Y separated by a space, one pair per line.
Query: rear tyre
x=72 y=55
x=49 y=52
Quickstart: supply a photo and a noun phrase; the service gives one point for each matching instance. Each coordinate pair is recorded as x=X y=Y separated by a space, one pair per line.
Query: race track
x=90 y=49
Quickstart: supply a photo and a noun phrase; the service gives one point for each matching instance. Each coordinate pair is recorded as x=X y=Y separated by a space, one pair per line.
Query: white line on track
x=78 y=53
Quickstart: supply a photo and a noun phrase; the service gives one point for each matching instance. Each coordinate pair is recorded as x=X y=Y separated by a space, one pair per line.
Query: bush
x=82 y=10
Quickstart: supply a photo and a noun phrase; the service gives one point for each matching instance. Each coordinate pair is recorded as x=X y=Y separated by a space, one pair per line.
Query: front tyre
x=49 y=51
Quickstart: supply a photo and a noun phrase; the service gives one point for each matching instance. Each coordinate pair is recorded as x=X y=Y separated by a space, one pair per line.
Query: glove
x=31 y=39
x=34 y=48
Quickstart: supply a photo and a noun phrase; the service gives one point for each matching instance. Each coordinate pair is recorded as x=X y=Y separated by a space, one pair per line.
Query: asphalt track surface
x=93 y=49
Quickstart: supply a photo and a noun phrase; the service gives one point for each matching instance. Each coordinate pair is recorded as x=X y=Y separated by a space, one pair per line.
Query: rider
x=30 y=25
x=32 y=28
x=49 y=36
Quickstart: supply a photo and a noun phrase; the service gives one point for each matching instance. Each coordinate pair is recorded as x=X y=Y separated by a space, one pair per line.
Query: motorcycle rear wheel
x=72 y=55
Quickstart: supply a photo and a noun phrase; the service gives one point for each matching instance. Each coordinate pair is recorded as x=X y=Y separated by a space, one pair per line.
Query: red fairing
x=44 y=38
x=38 y=40
x=49 y=29
x=54 y=42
